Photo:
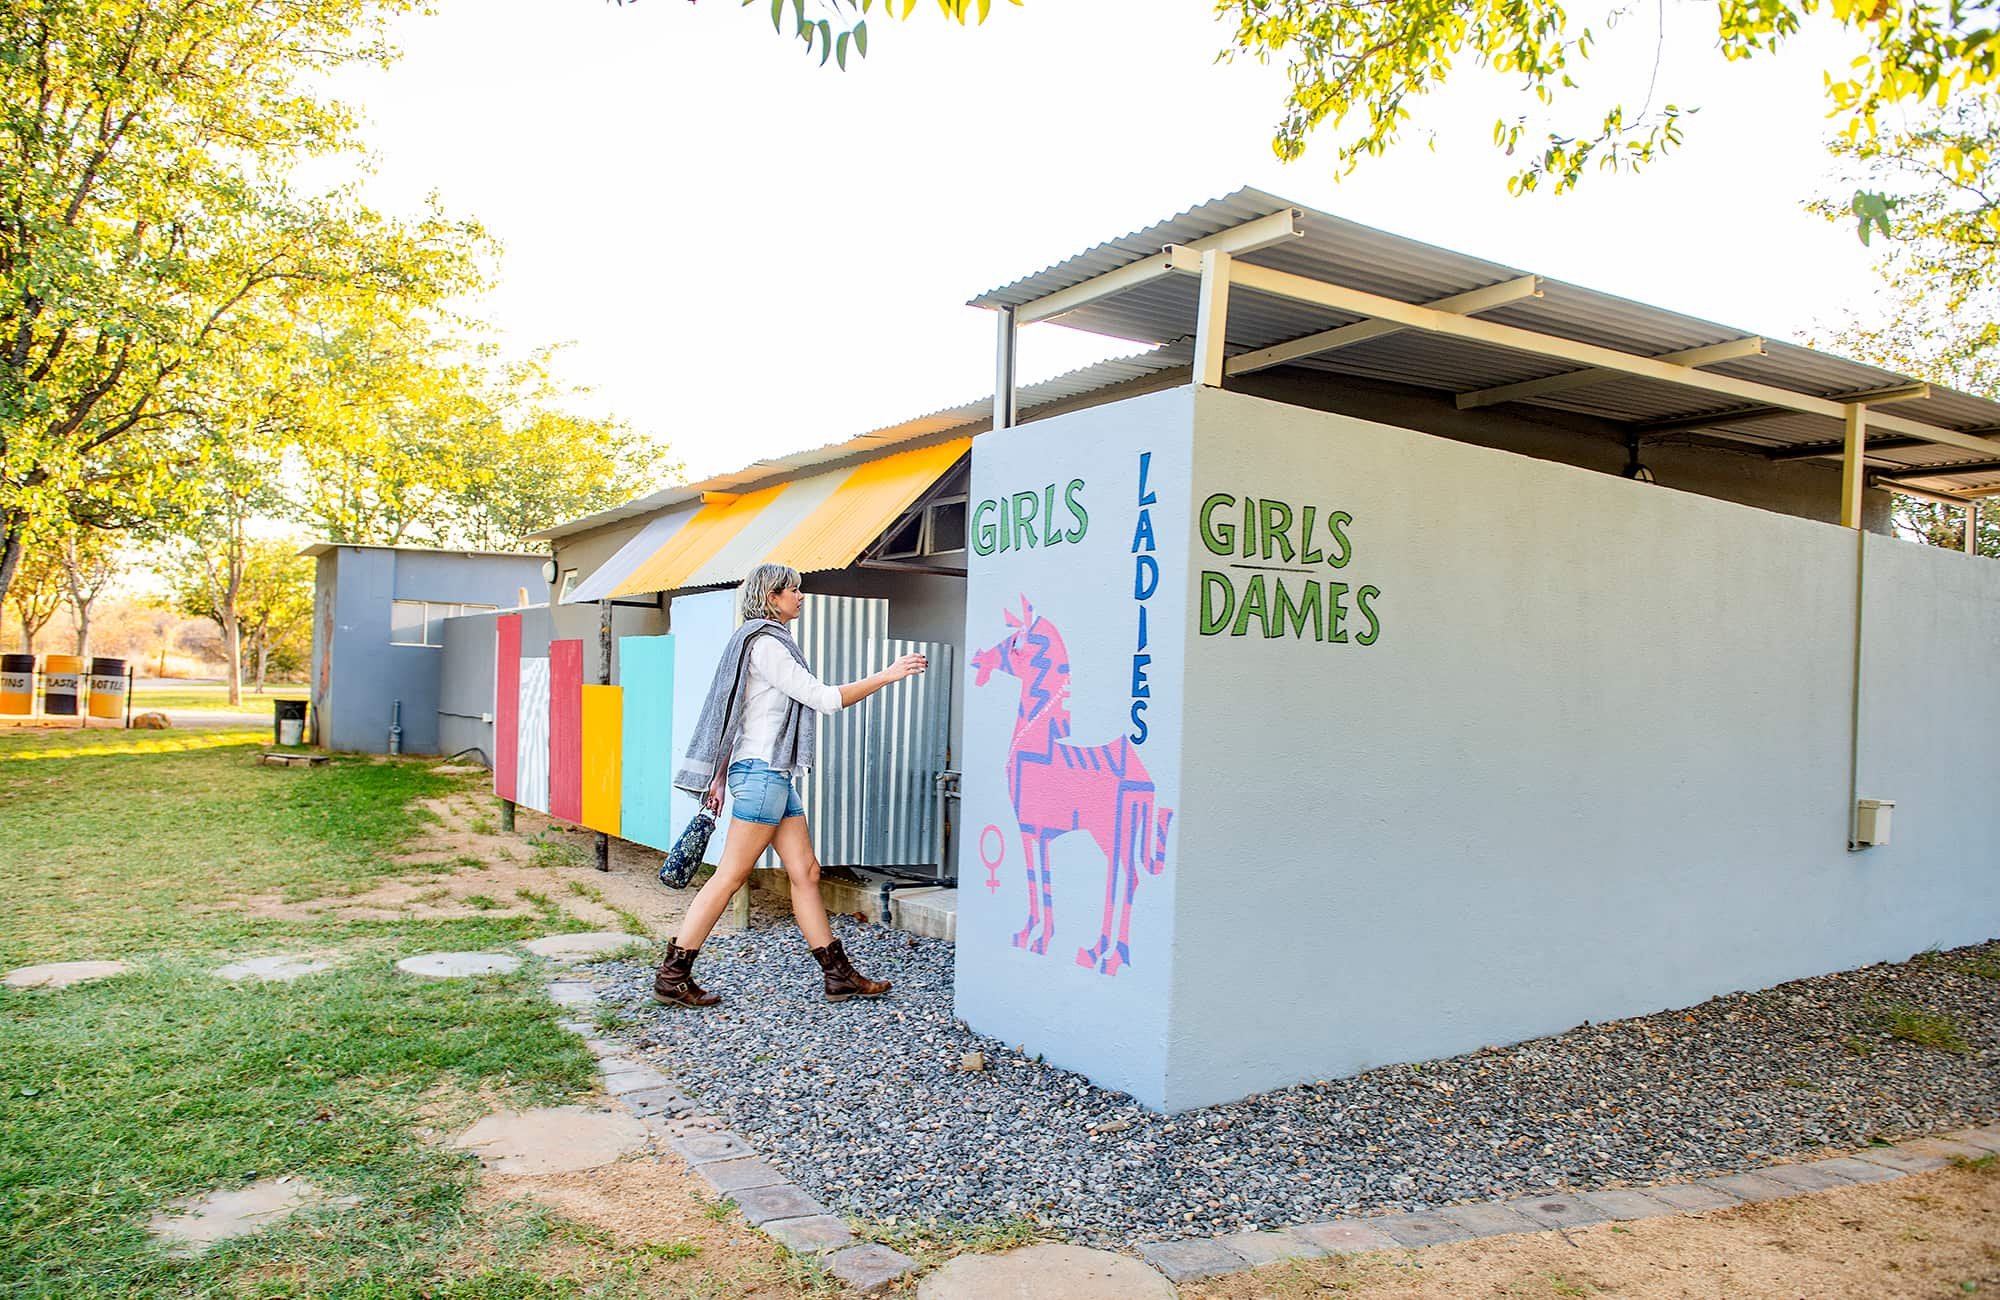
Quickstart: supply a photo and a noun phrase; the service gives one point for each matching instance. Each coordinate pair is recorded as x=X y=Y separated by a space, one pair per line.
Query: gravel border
x=865 y=1106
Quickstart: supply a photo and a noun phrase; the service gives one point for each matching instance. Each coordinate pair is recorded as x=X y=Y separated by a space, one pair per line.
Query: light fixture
x=1633 y=469
x=549 y=570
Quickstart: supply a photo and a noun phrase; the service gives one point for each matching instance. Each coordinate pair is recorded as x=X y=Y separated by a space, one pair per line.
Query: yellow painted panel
x=699 y=539
x=603 y=754
x=832 y=536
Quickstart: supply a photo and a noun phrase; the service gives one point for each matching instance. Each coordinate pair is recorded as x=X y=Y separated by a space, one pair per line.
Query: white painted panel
x=532 y=781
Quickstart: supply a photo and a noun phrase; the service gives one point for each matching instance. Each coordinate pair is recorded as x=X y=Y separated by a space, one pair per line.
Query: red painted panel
x=506 y=704
x=566 y=731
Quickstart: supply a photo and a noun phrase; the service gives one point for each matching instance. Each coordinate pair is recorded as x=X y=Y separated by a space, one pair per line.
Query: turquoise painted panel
x=646 y=672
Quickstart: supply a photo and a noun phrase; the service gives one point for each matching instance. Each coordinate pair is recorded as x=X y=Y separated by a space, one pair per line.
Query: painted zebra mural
x=1058 y=787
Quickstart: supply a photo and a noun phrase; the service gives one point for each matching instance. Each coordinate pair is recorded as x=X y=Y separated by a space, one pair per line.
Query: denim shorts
x=761 y=793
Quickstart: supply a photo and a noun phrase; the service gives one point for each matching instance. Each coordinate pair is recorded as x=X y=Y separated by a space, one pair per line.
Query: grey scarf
x=721 y=723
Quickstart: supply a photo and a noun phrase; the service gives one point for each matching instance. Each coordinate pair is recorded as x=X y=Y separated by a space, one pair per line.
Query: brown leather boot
x=674 y=985
x=842 y=980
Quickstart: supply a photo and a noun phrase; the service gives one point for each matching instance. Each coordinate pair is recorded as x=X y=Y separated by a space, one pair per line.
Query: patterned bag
x=684 y=859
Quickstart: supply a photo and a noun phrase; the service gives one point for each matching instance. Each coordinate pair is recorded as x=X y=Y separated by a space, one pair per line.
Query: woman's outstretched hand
x=907 y=666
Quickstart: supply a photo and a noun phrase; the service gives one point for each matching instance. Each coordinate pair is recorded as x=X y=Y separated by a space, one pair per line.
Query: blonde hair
x=762 y=583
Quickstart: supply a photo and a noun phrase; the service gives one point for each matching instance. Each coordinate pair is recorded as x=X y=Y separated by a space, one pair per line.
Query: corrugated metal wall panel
x=909 y=733
x=838 y=635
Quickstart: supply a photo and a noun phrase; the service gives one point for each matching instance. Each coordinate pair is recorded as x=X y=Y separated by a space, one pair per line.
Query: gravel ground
x=865 y=1104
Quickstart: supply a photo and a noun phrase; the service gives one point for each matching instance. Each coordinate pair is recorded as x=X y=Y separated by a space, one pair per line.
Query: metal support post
x=1853 y=469
x=1212 y=323
x=1004 y=410
x=507 y=815
x=131 y=678
x=1972 y=528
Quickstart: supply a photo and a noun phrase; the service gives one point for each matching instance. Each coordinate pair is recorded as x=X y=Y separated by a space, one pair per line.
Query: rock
x=1046 y=1272
x=192 y=1225
x=62 y=974
x=972 y=1062
x=153 y=721
x=459 y=965
x=552 y=1139
x=272 y=969
x=581 y=947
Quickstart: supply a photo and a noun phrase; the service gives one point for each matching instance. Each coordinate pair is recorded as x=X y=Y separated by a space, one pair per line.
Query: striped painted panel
x=646 y=675
x=506 y=703
x=602 y=713
x=532 y=769
x=566 y=730
x=909 y=734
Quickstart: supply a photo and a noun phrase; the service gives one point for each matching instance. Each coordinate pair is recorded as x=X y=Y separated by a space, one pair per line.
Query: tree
x=835 y=27
x=90 y=563
x=1364 y=62
x=37 y=592
x=275 y=602
x=144 y=209
x=208 y=553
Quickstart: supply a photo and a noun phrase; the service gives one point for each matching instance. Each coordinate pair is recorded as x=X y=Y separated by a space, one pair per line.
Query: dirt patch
x=464 y=865
x=656 y=1214
x=1928 y=1235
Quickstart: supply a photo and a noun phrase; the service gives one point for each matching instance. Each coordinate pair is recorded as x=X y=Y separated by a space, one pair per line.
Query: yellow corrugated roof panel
x=712 y=528
x=868 y=502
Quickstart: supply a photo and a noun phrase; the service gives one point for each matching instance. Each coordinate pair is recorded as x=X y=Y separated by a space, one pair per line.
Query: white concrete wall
x=1594 y=764
x=1106 y=1018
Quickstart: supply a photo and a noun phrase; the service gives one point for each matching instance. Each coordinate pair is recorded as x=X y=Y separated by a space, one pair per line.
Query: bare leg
x=795 y=850
x=747 y=840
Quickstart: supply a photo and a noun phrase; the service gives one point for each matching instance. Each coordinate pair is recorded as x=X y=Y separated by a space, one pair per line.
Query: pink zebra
x=1058 y=787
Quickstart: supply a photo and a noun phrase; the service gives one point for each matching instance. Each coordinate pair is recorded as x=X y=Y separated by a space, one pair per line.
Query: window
x=937 y=528
x=568 y=585
x=421 y=622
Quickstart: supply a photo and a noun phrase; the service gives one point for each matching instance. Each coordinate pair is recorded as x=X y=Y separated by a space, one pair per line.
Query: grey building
x=378 y=634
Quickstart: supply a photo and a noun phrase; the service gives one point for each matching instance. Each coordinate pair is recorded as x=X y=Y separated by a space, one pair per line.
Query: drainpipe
x=396 y=727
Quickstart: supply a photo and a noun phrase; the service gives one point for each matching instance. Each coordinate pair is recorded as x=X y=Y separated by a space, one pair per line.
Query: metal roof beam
x=1354 y=302
x=1807 y=451
x=1248 y=237
x=1939 y=471
x=1692 y=358
x=1346 y=336
x=1935 y=498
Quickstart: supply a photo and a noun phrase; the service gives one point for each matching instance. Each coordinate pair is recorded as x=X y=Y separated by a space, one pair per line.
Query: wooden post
x=507 y=815
x=602 y=844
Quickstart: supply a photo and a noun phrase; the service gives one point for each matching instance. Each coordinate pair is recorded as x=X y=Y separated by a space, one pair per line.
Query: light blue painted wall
x=1595 y=765
x=364 y=673
x=646 y=769
x=1115 y=1026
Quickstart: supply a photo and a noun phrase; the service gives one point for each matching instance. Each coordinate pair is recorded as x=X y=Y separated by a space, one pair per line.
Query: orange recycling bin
x=17 y=685
x=62 y=682
x=107 y=689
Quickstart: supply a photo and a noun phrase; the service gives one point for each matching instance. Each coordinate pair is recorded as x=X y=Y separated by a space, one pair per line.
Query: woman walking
x=756 y=732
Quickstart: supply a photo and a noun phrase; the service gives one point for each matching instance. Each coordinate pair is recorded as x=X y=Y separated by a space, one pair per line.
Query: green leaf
x=777 y=15
x=826 y=41
x=861 y=38
x=840 y=50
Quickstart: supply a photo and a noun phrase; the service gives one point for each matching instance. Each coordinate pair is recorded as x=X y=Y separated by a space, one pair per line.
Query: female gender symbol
x=995 y=858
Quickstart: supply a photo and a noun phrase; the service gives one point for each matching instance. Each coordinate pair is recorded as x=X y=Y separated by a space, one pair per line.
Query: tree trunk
x=263 y=655
x=13 y=529
x=232 y=648
x=27 y=636
x=81 y=615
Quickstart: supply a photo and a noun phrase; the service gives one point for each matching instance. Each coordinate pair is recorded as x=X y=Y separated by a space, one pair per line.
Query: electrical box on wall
x=1871 y=821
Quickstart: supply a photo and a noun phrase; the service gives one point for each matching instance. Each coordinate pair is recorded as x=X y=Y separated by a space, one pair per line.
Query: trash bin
x=107 y=689
x=17 y=685
x=288 y=726
x=62 y=683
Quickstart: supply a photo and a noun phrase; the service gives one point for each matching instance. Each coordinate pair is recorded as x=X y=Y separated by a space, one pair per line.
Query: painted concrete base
x=932 y=912
x=192 y=1225
x=1046 y=1272
x=552 y=1139
x=278 y=970
x=62 y=974
x=459 y=965
x=581 y=947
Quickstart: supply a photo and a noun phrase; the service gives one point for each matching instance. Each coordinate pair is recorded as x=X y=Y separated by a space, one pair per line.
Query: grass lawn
x=212 y=698
x=120 y=1095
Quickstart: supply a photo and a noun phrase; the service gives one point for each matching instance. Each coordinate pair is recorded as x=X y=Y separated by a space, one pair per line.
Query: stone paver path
x=459 y=965
x=1046 y=1272
x=62 y=974
x=192 y=1225
x=277 y=970
x=581 y=947
x=553 y=1139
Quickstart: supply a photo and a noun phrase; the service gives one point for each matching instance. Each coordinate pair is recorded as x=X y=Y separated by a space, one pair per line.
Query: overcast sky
x=753 y=255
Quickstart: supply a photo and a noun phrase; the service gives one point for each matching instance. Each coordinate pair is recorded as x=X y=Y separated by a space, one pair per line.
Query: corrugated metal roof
x=1337 y=251
x=711 y=529
x=967 y=417
x=871 y=499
